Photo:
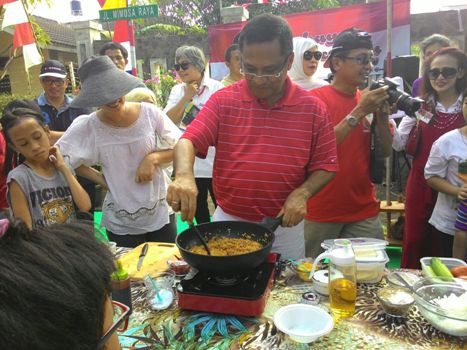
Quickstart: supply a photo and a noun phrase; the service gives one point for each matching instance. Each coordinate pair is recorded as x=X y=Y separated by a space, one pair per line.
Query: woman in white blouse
x=305 y=64
x=121 y=137
x=185 y=101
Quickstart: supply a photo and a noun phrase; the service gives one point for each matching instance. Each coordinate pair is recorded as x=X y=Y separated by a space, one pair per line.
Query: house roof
x=60 y=34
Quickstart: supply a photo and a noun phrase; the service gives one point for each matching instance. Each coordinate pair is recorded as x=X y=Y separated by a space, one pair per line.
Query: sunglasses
x=447 y=73
x=182 y=66
x=308 y=55
x=121 y=313
x=363 y=60
x=57 y=82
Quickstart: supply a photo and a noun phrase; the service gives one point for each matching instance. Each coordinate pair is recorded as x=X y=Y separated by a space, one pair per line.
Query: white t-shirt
x=129 y=207
x=203 y=167
x=445 y=155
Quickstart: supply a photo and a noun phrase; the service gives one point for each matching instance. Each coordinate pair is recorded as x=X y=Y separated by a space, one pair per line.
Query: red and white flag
x=15 y=15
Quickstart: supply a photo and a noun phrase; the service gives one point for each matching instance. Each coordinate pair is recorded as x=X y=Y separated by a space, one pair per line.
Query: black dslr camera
x=403 y=100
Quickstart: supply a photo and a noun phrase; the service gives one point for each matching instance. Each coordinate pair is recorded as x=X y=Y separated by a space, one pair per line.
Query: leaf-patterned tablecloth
x=369 y=328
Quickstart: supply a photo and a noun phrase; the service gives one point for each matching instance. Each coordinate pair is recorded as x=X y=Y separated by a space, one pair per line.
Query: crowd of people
x=270 y=140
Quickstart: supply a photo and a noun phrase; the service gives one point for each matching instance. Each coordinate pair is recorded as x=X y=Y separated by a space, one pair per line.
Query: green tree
x=204 y=13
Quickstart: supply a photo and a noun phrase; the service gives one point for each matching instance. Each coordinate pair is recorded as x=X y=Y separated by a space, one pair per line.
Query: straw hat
x=102 y=83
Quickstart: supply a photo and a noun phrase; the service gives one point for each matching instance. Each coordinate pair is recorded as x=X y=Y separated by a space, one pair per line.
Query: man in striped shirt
x=275 y=147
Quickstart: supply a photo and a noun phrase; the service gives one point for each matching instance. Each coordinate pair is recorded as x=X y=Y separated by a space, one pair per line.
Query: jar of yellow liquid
x=342 y=278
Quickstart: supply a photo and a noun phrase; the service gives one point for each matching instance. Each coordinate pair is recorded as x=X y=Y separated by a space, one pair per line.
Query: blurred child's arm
x=442 y=185
x=149 y=163
x=80 y=196
x=459 y=248
x=19 y=203
x=92 y=175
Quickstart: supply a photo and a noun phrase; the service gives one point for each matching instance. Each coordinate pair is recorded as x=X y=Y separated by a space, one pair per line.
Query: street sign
x=132 y=12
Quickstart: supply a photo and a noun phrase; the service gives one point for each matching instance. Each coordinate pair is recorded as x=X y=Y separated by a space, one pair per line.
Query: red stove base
x=231 y=305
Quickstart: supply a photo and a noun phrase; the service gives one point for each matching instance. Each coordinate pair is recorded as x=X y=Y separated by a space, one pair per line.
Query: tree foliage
x=204 y=13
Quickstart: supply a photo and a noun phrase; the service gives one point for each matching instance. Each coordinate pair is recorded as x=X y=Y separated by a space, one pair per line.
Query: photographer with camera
x=347 y=206
x=444 y=79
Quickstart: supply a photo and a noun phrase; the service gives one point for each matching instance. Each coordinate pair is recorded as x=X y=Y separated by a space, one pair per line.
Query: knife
x=141 y=256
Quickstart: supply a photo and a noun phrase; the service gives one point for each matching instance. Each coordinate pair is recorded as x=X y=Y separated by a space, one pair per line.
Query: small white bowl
x=303 y=323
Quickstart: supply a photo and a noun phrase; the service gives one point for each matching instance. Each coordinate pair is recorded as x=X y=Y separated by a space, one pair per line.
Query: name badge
x=423 y=115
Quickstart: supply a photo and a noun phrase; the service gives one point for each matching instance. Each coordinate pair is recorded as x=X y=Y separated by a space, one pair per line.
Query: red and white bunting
x=15 y=15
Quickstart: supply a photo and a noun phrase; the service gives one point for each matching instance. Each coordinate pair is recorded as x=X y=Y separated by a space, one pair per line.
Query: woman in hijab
x=305 y=64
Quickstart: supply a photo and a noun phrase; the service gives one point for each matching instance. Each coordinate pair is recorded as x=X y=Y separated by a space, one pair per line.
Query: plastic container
x=321 y=281
x=370 y=256
x=121 y=288
x=449 y=262
x=303 y=323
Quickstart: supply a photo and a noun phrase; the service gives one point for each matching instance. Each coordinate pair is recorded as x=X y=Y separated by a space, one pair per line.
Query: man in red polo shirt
x=348 y=206
x=275 y=147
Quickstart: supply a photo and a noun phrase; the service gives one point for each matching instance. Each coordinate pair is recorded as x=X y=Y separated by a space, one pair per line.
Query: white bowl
x=303 y=323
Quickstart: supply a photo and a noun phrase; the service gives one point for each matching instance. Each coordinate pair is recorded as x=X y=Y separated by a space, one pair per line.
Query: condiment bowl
x=180 y=267
x=303 y=323
x=443 y=303
x=395 y=301
x=304 y=269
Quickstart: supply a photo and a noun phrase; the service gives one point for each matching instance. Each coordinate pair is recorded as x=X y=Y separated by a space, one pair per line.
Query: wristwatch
x=352 y=121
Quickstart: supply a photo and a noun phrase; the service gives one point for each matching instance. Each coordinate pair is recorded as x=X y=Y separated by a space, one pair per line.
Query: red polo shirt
x=350 y=196
x=262 y=153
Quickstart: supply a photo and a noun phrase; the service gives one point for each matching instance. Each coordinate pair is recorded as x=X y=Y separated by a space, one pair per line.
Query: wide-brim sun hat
x=102 y=83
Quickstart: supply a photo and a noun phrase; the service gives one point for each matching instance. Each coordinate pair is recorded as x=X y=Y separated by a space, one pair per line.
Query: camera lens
x=404 y=101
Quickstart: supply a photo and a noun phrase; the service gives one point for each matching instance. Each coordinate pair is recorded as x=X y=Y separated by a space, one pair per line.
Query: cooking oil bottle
x=342 y=278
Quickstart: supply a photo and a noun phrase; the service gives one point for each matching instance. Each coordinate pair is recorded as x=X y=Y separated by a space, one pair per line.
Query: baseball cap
x=350 y=39
x=53 y=68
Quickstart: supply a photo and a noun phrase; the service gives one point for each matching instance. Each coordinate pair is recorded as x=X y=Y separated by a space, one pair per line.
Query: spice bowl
x=179 y=267
x=303 y=268
x=395 y=301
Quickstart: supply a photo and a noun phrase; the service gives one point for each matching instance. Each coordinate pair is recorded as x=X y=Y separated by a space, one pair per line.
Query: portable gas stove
x=242 y=294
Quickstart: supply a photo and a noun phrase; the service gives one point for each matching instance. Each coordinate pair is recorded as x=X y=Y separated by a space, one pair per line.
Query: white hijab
x=296 y=73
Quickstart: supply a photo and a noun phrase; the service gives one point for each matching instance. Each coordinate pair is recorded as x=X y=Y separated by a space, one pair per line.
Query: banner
x=323 y=26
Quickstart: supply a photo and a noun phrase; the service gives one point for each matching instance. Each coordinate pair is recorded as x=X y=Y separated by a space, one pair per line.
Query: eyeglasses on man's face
x=121 y=313
x=362 y=60
x=446 y=72
x=308 y=55
x=182 y=66
x=250 y=75
x=50 y=82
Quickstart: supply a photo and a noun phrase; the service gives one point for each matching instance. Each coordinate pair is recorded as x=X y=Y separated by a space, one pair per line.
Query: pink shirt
x=262 y=153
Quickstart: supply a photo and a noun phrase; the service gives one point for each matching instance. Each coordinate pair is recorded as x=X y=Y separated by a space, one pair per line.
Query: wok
x=262 y=233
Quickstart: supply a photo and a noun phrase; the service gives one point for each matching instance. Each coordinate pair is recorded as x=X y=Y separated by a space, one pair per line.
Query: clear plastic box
x=449 y=262
x=370 y=256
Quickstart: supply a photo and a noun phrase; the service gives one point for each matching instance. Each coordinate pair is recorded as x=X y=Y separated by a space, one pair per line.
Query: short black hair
x=265 y=28
x=54 y=282
x=114 y=46
x=228 y=52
